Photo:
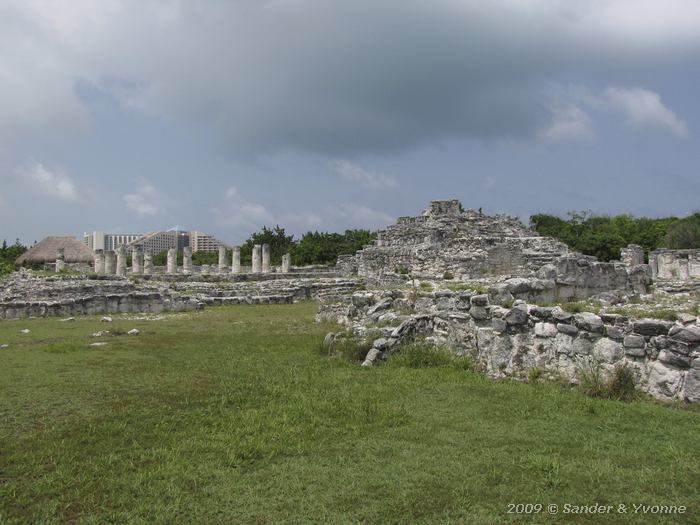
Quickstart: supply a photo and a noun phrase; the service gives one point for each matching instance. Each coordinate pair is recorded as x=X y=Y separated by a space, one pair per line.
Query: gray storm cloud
x=336 y=78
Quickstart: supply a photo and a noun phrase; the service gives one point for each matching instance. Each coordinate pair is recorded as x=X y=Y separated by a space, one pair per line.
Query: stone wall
x=573 y=278
x=665 y=356
x=26 y=295
x=675 y=265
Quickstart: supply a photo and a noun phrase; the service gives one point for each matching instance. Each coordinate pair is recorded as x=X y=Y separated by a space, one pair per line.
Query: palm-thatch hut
x=45 y=251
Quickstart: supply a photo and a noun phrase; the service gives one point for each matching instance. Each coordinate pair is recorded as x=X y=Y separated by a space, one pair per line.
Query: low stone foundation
x=665 y=356
x=27 y=295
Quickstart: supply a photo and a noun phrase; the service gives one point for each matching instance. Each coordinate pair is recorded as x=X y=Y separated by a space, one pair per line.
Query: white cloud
x=644 y=108
x=358 y=175
x=360 y=216
x=51 y=183
x=146 y=201
x=240 y=216
x=301 y=220
x=569 y=123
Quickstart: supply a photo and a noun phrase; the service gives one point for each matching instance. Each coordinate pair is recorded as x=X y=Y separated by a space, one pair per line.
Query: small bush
x=622 y=384
x=448 y=276
x=534 y=375
x=402 y=270
x=590 y=377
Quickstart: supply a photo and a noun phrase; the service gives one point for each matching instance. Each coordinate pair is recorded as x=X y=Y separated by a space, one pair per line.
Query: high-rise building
x=99 y=240
x=154 y=242
x=204 y=242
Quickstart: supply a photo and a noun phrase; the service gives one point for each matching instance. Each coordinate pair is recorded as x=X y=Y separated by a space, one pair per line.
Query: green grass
x=231 y=416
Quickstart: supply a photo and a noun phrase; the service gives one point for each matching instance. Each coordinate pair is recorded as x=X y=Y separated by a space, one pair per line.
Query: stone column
x=256 y=259
x=266 y=258
x=171 y=267
x=60 y=260
x=110 y=262
x=236 y=260
x=121 y=260
x=187 y=260
x=222 y=259
x=137 y=260
x=286 y=262
x=147 y=263
x=99 y=261
x=633 y=255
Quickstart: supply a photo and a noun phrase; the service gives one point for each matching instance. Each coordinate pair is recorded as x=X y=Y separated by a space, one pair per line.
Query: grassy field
x=231 y=415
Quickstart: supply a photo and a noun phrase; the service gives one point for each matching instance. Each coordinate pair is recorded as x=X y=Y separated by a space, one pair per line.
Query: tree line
x=312 y=248
x=8 y=254
x=603 y=236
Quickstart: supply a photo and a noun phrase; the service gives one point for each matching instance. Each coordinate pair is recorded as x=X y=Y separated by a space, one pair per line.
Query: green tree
x=685 y=233
x=280 y=243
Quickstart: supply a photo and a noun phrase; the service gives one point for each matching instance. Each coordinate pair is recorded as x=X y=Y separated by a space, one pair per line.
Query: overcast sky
x=227 y=115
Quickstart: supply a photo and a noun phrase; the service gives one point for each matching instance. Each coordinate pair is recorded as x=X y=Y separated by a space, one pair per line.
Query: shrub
x=623 y=383
x=534 y=375
x=402 y=270
x=448 y=275
x=590 y=377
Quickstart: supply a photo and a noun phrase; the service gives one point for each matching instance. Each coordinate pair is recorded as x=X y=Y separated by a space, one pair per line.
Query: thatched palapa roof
x=45 y=251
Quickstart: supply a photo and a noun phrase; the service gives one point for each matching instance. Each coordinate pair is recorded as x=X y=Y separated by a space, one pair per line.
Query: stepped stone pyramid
x=465 y=243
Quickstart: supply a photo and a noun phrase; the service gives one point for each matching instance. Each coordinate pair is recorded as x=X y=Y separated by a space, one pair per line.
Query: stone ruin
x=478 y=284
x=489 y=287
x=463 y=243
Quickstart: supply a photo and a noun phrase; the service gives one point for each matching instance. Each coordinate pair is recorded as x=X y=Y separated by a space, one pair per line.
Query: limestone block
x=688 y=334
x=613 y=332
x=517 y=315
x=545 y=330
x=499 y=325
x=651 y=327
x=673 y=359
x=478 y=312
x=561 y=315
x=634 y=341
x=662 y=381
x=567 y=329
x=608 y=351
x=480 y=300
x=564 y=344
x=691 y=386
x=589 y=321
x=582 y=346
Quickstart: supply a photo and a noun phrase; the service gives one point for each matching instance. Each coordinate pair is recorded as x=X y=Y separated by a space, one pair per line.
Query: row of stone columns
x=114 y=262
